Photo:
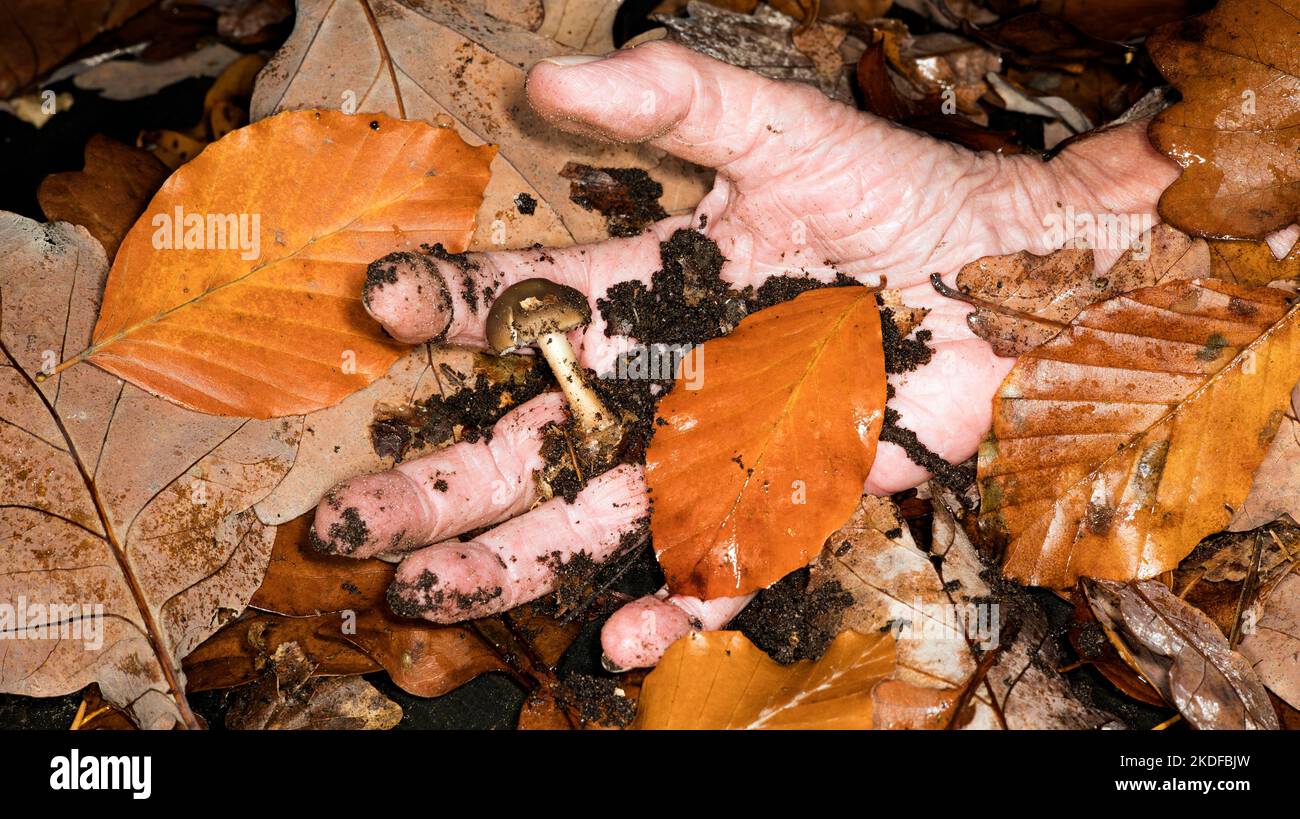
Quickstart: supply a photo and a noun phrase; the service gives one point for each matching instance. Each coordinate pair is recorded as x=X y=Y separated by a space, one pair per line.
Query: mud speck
x=628 y=198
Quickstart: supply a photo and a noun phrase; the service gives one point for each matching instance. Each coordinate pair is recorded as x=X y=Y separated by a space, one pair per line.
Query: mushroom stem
x=587 y=408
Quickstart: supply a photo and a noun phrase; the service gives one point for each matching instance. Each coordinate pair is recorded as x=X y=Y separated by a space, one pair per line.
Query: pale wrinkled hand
x=805 y=186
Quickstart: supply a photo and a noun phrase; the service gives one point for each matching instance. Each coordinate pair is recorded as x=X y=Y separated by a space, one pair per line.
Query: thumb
x=695 y=107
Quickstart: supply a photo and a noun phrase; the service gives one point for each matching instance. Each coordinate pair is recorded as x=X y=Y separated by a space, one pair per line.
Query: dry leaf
x=274 y=324
x=1237 y=130
x=1117 y=20
x=1275 y=490
x=37 y=35
x=238 y=653
x=1273 y=647
x=898 y=706
x=288 y=697
x=345 y=600
x=133 y=79
x=1023 y=299
x=459 y=65
x=1184 y=655
x=719 y=680
x=762 y=42
x=749 y=474
x=1227 y=574
x=107 y=195
x=110 y=497
x=1123 y=441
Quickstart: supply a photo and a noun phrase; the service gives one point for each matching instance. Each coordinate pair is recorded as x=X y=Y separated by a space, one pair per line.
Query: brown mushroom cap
x=527 y=310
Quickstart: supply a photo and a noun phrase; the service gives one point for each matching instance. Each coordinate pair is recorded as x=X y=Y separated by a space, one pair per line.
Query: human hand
x=805 y=186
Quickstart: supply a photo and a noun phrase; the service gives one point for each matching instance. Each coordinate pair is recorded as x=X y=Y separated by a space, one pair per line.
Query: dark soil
x=792 y=623
x=628 y=198
x=596 y=700
x=526 y=204
x=468 y=269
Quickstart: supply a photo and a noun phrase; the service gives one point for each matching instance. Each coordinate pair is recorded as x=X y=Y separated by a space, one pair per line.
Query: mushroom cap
x=527 y=310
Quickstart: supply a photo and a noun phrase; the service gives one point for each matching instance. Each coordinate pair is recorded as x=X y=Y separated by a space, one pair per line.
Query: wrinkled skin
x=868 y=199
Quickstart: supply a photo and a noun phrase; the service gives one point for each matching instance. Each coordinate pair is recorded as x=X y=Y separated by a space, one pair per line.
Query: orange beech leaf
x=1236 y=131
x=720 y=680
x=749 y=474
x=1123 y=441
x=264 y=317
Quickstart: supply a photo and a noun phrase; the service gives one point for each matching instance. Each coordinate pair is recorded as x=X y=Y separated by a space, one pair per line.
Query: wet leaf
x=456 y=64
x=270 y=322
x=719 y=680
x=1237 y=130
x=1183 y=654
x=1275 y=490
x=1123 y=441
x=1022 y=299
x=110 y=497
x=749 y=474
x=107 y=195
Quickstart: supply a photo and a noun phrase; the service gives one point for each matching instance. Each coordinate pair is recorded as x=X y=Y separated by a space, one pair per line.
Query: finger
x=637 y=635
x=462 y=487
x=445 y=298
x=517 y=561
x=695 y=107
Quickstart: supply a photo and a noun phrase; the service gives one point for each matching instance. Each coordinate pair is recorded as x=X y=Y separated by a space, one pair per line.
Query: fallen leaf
x=238 y=653
x=1237 y=130
x=287 y=697
x=762 y=42
x=342 y=603
x=270 y=322
x=1275 y=489
x=1023 y=299
x=460 y=66
x=719 y=680
x=1089 y=640
x=1273 y=647
x=133 y=79
x=34 y=109
x=749 y=474
x=107 y=195
x=1123 y=441
x=941 y=610
x=1227 y=574
x=112 y=498
x=38 y=34
x=1183 y=654
x=1252 y=262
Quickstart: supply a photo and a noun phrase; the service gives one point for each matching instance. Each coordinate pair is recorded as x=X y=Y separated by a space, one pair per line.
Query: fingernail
x=567 y=60
x=609 y=665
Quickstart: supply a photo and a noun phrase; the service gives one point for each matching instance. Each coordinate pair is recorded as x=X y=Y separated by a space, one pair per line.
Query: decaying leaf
x=720 y=680
x=1228 y=574
x=1123 y=441
x=749 y=474
x=763 y=42
x=941 y=611
x=112 y=500
x=1183 y=654
x=244 y=299
x=36 y=35
x=289 y=697
x=1022 y=300
x=1237 y=130
x=1273 y=646
x=1252 y=262
x=107 y=195
x=455 y=63
x=133 y=79
x=345 y=600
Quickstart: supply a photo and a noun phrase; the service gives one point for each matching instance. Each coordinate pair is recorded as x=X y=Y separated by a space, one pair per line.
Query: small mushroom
x=538 y=312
